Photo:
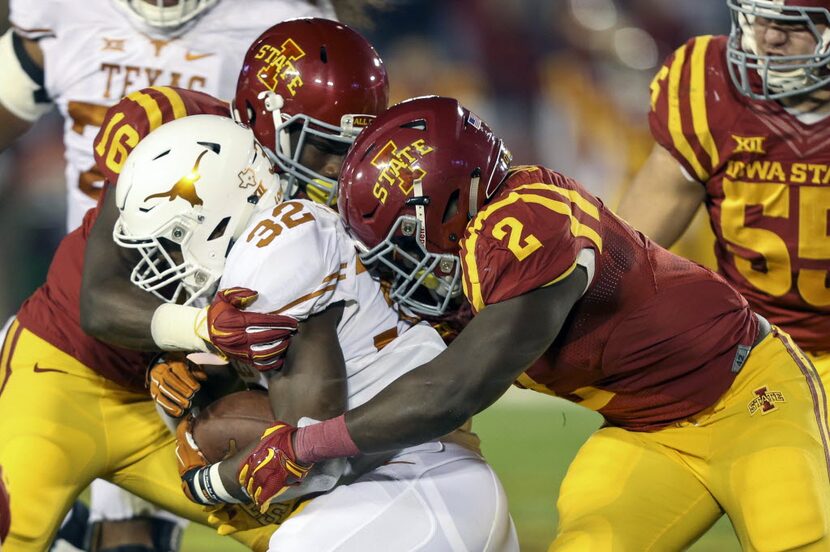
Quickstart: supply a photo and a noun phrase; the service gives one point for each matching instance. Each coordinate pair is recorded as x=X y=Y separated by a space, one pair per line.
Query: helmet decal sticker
x=185 y=188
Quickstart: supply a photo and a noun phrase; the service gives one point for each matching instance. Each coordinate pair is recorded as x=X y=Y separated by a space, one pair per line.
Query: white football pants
x=435 y=497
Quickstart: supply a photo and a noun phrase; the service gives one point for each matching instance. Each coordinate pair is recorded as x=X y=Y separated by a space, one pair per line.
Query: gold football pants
x=62 y=425
x=822 y=363
x=760 y=455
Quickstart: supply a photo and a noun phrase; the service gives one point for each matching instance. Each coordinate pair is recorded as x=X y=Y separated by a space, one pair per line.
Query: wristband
x=219 y=487
x=21 y=88
x=323 y=441
x=206 y=486
x=180 y=328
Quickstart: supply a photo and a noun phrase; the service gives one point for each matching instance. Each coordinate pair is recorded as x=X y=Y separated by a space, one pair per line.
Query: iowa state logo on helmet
x=398 y=167
x=279 y=67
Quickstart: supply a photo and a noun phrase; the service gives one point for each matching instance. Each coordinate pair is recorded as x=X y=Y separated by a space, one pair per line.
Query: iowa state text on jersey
x=767 y=178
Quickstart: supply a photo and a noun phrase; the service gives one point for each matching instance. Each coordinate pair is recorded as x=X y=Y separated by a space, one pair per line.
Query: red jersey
x=767 y=179
x=140 y=113
x=654 y=338
x=52 y=312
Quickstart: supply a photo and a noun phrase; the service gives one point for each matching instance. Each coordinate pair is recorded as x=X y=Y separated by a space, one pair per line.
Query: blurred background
x=564 y=82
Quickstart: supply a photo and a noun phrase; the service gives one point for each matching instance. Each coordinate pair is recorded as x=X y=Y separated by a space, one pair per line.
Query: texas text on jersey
x=97 y=54
x=766 y=174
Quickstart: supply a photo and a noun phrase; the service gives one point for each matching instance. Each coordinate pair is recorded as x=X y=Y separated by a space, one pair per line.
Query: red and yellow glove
x=272 y=467
x=173 y=384
x=254 y=338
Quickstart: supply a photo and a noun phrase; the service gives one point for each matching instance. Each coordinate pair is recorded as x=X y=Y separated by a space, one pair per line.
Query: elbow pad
x=21 y=88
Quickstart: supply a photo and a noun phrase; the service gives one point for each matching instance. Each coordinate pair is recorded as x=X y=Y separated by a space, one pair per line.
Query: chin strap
x=274 y=103
x=420 y=201
x=472 y=208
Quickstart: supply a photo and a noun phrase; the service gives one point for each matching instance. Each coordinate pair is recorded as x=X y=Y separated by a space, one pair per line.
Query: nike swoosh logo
x=40 y=370
x=193 y=57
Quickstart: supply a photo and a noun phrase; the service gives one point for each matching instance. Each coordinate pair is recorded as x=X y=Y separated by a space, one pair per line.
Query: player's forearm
x=11 y=128
x=21 y=88
x=661 y=200
x=229 y=472
x=421 y=406
x=472 y=373
x=660 y=221
x=121 y=314
x=416 y=410
x=118 y=312
x=312 y=381
x=663 y=226
x=438 y=397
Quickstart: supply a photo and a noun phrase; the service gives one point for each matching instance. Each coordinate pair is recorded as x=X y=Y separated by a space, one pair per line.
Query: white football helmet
x=781 y=75
x=186 y=193
x=166 y=15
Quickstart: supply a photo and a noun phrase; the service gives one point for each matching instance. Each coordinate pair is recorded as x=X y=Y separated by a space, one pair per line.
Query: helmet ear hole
x=251 y=113
x=452 y=206
x=324 y=55
x=212 y=146
x=369 y=150
x=418 y=124
x=219 y=231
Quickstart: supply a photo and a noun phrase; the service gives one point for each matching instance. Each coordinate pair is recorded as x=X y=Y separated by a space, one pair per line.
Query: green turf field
x=529 y=439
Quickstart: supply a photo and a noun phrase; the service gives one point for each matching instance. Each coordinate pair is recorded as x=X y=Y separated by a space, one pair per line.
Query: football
x=231 y=422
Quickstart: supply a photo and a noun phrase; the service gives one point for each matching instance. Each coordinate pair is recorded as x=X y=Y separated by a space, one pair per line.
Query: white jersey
x=301 y=260
x=95 y=53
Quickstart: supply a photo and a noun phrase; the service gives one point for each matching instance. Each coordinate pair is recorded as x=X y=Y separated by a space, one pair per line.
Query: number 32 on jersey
x=286 y=215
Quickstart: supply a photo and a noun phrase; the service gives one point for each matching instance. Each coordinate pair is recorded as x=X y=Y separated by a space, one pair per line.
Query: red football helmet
x=780 y=75
x=315 y=73
x=408 y=188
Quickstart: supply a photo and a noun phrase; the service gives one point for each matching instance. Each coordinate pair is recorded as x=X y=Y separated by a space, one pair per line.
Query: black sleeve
x=31 y=68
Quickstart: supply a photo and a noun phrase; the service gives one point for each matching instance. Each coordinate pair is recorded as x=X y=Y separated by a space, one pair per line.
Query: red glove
x=272 y=467
x=253 y=338
x=5 y=510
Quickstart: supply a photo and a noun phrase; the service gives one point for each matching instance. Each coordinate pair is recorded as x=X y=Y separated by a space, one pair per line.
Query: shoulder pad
x=139 y=113
x=688 y=97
